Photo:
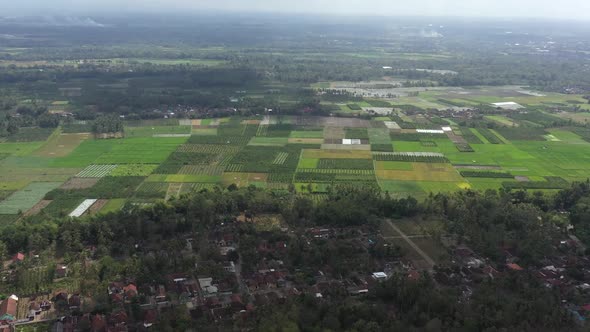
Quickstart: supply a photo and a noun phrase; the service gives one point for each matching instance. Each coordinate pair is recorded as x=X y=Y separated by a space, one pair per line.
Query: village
x=249 y=271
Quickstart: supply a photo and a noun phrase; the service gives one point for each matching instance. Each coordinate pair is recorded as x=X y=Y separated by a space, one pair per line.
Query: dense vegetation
x=487 y=221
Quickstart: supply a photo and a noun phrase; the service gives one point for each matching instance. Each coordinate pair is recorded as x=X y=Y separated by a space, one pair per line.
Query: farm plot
x=262 y=159
x=379 y=136
x=401 y=189
x=278 y=130
x=179 y=159
x=490 y=136
x=61 y=145
x=280 y=158
x=106 y=187
x=306 y=134
x=356 y=133
x=113 y=205
x=85 y=154
x=268 y=141
x=334 y=133
x=152 y=190
x=469 y=136
x=316 y=141
x=133 y=170
x=96 y=171
x=171 y=178
x=345 y=164
x=334 y=175
x=425 y=157
x=204 y=131
x=37 y=208
x=14 y=177
x=336 y=154
x=140 y=150
x=393 y=165
x=26 y=198
x=422 y=172
x=201 y=170
x=82 y=208
x=245 y=179
x=19 y=149
x=219 y=140
x=155 y=131
x=523 y=133
x=382 y=147
x=502 y=120
x=79 y=183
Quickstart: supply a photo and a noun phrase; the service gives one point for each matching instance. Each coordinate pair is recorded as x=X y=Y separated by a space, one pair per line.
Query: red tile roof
x=514 y=267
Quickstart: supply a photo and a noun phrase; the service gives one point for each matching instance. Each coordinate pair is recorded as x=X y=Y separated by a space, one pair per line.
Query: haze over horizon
x=566 y=9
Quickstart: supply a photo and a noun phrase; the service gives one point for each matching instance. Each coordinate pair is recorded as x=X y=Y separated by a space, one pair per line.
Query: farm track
x=414 y=246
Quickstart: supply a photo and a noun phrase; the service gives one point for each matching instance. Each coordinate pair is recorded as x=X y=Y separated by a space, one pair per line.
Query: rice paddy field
x=158 y=160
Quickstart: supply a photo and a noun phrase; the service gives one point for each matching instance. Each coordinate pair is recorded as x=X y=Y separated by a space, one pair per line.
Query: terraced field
x=158 y=160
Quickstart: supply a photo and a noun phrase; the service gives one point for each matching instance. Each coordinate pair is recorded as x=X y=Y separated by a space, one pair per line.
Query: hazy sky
x=578 y=9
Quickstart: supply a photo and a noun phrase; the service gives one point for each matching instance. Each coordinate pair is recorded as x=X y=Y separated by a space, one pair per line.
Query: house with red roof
x=19 y=257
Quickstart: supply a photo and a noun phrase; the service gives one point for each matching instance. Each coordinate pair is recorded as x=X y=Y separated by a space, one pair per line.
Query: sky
x=562 y=9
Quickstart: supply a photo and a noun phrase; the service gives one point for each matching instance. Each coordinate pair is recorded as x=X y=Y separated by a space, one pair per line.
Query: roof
x=98 y=323
x=8 y=306
x=18 y=257
x=514 y=267
x=508 y=105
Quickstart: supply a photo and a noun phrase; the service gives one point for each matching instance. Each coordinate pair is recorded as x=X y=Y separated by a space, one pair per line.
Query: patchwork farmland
x=63 y=173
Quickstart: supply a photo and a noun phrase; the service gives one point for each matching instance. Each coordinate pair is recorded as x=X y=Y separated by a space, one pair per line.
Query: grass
x=306 y=134
x=61 y=145
x=20 y=149
x=113 y=205
x=440 y=172
x=268 y=141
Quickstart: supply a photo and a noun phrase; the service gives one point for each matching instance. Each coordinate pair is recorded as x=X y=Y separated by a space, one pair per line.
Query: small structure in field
x=508 y=105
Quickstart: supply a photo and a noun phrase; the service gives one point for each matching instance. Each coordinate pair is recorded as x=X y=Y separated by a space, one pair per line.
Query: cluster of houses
x=566 y=272
x=234 y=292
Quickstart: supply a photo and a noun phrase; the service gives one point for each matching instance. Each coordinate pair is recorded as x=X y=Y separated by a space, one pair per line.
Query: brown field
x=37 y=208
x=305 y=140
x=251 y=122
x=79 y=183
x=196 y=122
x=334 y=132
x=99 y=204
x=61 y=145
x=423 y=172
x=359 y=147
x=336 y=154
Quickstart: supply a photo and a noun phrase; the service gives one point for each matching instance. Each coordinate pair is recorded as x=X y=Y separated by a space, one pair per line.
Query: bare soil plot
x=97 y=206
x=358 y=147
x=79 y=183
x=37 y=208
x=336 y=133
x=336 y=154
